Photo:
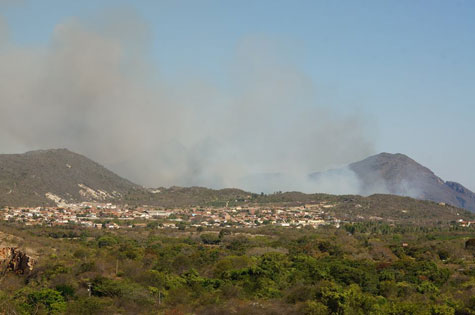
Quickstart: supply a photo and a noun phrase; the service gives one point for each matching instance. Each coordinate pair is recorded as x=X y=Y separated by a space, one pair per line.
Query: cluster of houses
x=107 y=215
x=464 y=223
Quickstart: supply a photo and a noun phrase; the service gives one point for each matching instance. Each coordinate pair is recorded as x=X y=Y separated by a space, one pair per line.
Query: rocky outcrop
x=14 y=260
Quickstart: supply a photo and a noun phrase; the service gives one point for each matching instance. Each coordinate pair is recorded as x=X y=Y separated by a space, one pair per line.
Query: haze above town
x=329 y=82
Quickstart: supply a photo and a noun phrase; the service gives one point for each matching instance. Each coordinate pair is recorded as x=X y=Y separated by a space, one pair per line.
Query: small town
x=108 y=215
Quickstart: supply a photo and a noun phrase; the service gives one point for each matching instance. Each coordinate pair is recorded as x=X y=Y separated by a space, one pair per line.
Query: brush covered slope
x=359 y=268
x=49 y=177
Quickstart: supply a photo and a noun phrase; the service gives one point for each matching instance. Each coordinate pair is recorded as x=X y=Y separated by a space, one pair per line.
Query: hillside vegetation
x=361 y=268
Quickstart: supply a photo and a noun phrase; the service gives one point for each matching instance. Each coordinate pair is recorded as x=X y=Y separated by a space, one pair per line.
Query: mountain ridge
x=398 y=174
x=56 y=176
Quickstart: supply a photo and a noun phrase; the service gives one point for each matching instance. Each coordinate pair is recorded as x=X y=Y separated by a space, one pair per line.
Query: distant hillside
x=377 y=207
x=29 y=178
x=52 y=177
x=400 y=175
x=186 y=196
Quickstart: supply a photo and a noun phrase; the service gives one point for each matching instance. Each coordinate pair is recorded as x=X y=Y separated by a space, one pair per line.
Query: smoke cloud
x=95 y=89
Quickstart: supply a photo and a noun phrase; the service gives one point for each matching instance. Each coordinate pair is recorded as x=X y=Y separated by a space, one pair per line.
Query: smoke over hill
x=398 y=174
x=95 y=89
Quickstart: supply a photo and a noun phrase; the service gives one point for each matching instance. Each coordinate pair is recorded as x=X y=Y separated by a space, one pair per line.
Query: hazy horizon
x=217 y=95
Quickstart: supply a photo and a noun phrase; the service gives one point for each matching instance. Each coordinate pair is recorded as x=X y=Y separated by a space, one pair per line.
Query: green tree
x=50 y=300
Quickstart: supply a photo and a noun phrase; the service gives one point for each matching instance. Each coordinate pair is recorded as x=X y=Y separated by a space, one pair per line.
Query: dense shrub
x=266 y=271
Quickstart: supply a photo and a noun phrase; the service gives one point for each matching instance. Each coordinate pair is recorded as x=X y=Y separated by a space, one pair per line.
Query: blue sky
x=408 y=67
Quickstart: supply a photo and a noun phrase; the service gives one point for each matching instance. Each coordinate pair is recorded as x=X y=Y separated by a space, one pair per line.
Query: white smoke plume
x=95 y=89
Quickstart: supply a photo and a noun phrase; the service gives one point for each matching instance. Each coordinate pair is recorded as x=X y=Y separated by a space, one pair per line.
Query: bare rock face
x=15 y=260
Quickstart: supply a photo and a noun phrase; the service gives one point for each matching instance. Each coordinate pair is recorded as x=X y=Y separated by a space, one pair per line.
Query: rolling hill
x=44 y=177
